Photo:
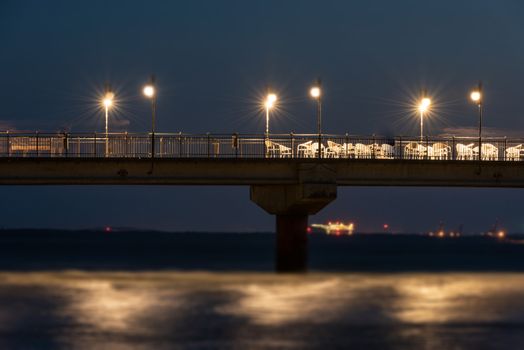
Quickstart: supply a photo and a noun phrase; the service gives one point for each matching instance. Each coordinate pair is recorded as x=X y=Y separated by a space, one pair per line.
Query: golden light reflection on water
x=121 y=302
x=103 y=305
x=108 y=302
x=455 y=298
x=277 y=303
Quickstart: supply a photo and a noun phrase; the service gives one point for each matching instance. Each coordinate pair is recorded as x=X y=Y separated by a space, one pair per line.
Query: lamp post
x=107 y=102
x=423 y=107
x=316 y=93
x=269 y=103
x=150 y=93
x=476 y=97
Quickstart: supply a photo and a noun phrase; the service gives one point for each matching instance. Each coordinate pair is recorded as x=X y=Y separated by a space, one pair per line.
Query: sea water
x=64 y=290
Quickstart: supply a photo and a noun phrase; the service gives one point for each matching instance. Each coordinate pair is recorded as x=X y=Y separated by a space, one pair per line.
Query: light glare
x=476 y=96
x=270 y=100
x=108 y=99
x=424 y=104
x=149 y=91
x=315 y=92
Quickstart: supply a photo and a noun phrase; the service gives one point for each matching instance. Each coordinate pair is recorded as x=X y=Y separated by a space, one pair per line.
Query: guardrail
x=130 y=145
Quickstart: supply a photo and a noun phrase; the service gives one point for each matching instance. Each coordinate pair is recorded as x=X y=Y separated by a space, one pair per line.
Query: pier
x=290 y=176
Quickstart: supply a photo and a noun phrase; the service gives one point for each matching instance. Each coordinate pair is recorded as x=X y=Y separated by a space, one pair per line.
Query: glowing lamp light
x=108 y=99
x=315 y=92
x=476 y=96
x=270 y=100
x=424 y=104
x=149 y=91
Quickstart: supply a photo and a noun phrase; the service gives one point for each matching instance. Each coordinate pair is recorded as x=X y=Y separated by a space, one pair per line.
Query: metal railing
x=130 y=145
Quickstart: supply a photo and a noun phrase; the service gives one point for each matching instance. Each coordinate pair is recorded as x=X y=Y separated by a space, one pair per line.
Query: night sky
x=213 y=61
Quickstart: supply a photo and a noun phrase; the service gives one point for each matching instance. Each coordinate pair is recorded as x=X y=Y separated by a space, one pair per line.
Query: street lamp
x=476 y=97
x=150 y=93
x=107 y=102
x=316 y=93
x=269 y=104
x=423 y=107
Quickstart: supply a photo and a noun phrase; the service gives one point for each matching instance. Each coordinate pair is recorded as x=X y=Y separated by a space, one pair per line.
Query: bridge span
x=259 y=172
x=288 y=176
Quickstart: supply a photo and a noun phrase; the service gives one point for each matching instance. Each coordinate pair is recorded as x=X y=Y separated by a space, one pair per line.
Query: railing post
x=401 y=152
x=427 y=147
x=240 y=146
x=373 y=146
x=208 y=145
x=66 y=144
x=152 y=144
x=94 y=141
x=453 y=150
x=266 y=149
x=235 y=143
x=126 y=146
x=292 y=145
x=8 y=144
x=37 y=143
x=180 y=144
x=505 y=148
x=346 y=145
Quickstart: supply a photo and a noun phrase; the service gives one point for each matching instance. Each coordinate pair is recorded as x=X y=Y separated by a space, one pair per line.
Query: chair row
x=411 y=150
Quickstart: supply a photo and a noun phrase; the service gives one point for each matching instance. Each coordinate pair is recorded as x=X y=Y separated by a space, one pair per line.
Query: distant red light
x=108 y=229
x=309 y=229
x=386 y=226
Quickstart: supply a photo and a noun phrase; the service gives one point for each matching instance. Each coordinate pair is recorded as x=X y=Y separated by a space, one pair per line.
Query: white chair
x=465 y=152
x=272 y=149
x=285 y=152
x=362 y=151
x=304 y=150
x=513 y=153
x=489 y=152
x=314 y=149
x=349 y=150
x=387 y=151
x=414 y=150
x=429 y=152
x=375 y=150
x=333 y=150
x=440 y=151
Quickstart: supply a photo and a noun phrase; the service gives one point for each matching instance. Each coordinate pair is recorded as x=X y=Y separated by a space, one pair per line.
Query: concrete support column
x=291 y=243
x=292 y=204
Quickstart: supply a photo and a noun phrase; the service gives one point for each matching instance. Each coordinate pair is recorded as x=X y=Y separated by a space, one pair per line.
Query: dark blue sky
x=213 y=59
